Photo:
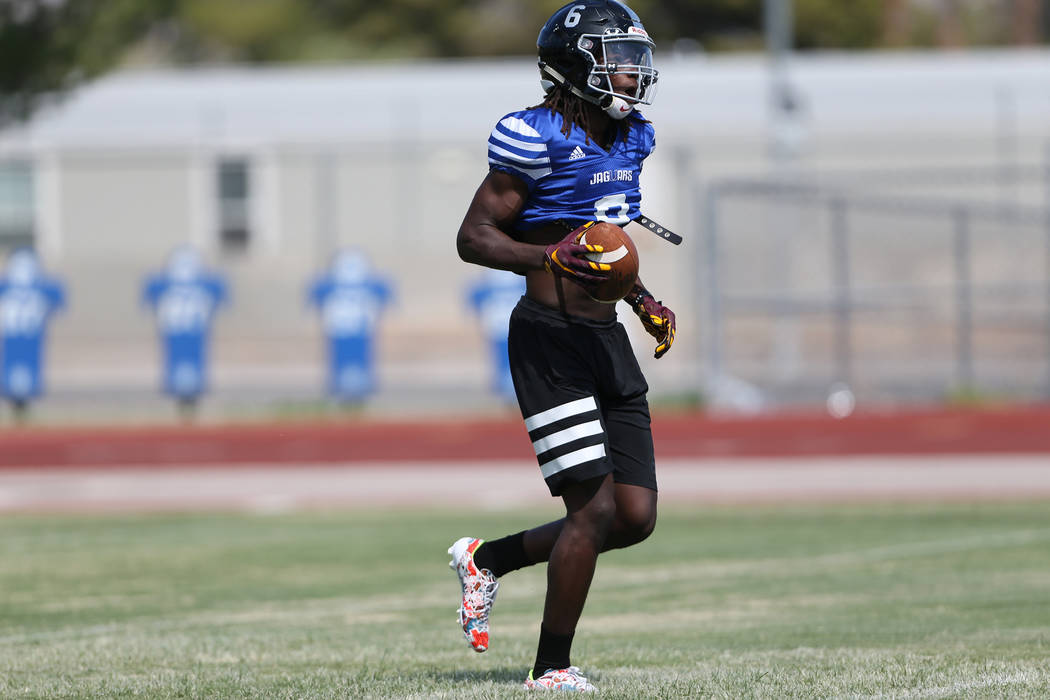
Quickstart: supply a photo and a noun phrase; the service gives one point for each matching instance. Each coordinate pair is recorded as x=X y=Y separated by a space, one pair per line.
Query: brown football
x=620 y=253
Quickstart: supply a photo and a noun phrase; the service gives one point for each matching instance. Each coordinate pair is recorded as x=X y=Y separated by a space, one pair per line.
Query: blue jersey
x=24 y=311
x=571 y=180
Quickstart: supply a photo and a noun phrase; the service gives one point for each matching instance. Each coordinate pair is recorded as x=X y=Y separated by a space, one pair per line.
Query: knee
x=602 y=512
x=636 y=522
x=596 y=518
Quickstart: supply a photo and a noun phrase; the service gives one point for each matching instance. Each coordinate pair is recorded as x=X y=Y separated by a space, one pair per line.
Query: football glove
x=657 y=319
x=563 y=259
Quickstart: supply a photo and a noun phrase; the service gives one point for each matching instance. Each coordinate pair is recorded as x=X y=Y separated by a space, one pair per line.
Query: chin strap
x=616 y=107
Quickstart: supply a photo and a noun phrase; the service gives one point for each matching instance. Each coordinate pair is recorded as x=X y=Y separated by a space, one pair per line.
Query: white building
x=270 y=170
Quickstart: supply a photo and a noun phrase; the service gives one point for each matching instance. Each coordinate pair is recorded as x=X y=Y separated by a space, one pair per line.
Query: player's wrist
x=637 y=296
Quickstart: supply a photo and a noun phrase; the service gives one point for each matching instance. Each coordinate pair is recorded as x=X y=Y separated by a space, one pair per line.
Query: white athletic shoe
x=560 y=679
x=479 y=592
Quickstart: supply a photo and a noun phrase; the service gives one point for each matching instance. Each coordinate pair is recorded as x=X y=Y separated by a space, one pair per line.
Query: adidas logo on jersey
x=577 y=153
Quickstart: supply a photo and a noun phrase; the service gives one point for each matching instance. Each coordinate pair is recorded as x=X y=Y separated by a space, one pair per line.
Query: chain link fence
x=899 y=286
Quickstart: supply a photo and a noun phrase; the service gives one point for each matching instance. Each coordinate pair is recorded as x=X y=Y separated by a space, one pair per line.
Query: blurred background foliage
x=46 y=45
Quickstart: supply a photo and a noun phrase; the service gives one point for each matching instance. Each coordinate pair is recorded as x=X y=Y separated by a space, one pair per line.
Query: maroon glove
x=657 y=319
x=564 y=259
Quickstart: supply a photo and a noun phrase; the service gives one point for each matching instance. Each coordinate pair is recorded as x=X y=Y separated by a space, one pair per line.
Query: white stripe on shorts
x=585 y=454
x=571 y=408
x=561 y=437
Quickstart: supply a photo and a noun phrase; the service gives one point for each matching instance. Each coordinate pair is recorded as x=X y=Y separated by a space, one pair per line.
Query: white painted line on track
x=511 y=484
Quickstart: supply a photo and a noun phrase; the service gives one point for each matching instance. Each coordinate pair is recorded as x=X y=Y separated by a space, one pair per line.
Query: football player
x=573 y=159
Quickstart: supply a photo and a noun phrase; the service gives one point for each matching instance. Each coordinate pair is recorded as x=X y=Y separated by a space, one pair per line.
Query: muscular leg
x=634 y=520
x=590 y=511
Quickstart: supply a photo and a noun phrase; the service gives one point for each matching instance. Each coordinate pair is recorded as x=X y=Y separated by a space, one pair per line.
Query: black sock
x=553 y=652
x=503 y=555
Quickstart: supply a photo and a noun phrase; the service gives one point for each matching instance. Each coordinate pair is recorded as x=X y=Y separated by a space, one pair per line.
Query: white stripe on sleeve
x=535 y=161
x=523 y=145
x=534 y=173
x=520 y=126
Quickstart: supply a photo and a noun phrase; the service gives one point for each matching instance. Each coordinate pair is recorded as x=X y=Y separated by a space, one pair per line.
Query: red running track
x=1002 y=430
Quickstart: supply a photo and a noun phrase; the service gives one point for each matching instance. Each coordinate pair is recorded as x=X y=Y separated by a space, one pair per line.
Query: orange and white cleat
x=479 y=592
x=560 y=679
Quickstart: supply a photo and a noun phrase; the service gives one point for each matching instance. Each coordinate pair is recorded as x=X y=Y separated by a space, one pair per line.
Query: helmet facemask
x=618 y=54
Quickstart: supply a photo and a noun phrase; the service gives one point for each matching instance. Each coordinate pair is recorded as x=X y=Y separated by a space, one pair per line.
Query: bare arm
x=482 y=237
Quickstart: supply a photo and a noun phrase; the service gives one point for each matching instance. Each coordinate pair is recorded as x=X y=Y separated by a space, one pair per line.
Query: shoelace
x=574 y=676
x=574 y=671
x=578 y=678
x=477 y=598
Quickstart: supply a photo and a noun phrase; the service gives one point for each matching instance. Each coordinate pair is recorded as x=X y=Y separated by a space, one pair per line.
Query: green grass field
x=869 y=601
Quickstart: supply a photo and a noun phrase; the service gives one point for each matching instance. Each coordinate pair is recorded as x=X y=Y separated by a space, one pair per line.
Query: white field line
x=305 y=610
x=995 y=680
x=624 y=577
x=609 y=579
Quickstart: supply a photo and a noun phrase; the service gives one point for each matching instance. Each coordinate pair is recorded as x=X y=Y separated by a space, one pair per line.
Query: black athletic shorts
x=582 y=396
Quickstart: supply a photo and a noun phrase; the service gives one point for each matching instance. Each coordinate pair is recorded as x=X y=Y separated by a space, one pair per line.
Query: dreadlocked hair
x=561 y=100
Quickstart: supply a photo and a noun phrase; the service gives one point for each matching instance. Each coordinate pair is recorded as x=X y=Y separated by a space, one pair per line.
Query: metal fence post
x=1046 y=273
x=1006 y=145
x=963 y=299
x=842 y=304
x=1046 y=216
x=714 y=332
x=326 y=198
